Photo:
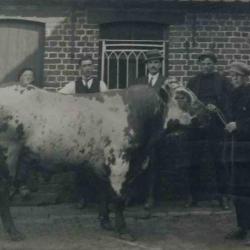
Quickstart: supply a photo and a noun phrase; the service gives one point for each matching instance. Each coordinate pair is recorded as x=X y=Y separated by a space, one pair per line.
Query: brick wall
x=226 y=34
x=69 y=41
x=69 y=35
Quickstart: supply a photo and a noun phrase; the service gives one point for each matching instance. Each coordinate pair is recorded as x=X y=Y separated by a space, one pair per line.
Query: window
x=123 y=50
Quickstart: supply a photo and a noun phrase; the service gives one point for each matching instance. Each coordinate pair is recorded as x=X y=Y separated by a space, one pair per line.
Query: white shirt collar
x=154 y=78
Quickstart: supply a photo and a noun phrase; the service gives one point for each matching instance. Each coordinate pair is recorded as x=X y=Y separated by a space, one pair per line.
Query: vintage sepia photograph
x=125 y=125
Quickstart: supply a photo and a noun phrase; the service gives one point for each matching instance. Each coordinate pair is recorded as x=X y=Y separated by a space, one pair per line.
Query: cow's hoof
x=16 y=236
x=106 y=225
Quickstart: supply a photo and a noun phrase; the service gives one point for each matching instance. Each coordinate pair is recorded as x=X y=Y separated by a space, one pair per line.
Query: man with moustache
x=155 y=80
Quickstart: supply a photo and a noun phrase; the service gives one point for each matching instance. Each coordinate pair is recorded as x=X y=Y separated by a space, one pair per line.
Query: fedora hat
x=207 y=54
x=240 y=68
x=153 y=55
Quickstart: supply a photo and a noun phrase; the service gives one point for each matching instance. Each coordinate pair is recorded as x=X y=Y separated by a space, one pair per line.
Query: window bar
x=103 y=59
x=137 y=64
x=163 y=55
x=145 y=72
x=108 y=65
x=127 y=67
x=118 y=70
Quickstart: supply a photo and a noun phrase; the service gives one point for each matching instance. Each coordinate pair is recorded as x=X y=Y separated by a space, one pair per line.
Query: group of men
x=228 y=104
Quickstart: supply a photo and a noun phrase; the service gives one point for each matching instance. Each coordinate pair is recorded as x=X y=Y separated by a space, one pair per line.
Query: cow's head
x=181 y=104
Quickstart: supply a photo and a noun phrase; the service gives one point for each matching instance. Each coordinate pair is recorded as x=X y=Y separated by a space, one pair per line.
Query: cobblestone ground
x=62 y=227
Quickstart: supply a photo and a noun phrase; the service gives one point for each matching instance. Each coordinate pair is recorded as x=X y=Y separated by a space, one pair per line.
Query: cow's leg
x=155 y=147
x=104 y=198
x=150 y=199
x=5 y=214
x=120 y=223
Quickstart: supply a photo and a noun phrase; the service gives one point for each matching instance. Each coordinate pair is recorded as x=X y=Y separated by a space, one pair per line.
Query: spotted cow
x=103 y=129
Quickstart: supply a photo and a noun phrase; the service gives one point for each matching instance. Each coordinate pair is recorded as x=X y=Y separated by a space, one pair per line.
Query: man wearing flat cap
x=212 y=89
x=153 y=62
x=239 y=127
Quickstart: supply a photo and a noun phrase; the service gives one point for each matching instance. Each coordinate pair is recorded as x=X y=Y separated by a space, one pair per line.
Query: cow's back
x=65 y=128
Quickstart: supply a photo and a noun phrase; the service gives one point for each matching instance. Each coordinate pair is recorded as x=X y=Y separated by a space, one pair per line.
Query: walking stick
x=231 y=171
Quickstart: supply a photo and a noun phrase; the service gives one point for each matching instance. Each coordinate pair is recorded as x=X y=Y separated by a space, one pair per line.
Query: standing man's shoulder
x=220 y=76
x=224 y=81
x=103 y=86
x=162 y=78
x=194 y=80
x=97 y=85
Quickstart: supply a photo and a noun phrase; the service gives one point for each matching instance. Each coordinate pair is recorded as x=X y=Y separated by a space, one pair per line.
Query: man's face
x=237 y=79
x=207 y=65
x=86 y=68
x=27 y=77
x=154 y=66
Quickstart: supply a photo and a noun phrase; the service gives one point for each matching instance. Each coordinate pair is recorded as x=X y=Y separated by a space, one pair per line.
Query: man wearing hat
x=212 y=89
x=239 y=127
x=153 y=62
x=154 y=79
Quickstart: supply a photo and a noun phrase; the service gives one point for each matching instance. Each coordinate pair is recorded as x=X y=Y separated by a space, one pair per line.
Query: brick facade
x=226 y=34
x=69 y=35
x=70 y=40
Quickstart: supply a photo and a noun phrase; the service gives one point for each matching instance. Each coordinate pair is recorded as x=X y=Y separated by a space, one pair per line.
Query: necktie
x=151 y=81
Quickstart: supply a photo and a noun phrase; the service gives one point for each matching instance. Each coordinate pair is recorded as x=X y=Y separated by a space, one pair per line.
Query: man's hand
x=211 y=107
x=231 y=126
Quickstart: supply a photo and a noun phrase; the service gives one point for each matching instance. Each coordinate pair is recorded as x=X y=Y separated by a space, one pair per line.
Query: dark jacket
x=158 y=84
x=240 y=100
x=221 y=89
x=215 y=89
x=80 y=88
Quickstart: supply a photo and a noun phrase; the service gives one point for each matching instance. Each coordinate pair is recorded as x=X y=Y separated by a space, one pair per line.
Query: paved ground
x=62 y=227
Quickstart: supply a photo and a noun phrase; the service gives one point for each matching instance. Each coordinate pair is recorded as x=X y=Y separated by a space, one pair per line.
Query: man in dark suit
x=239 y=127
x=213 y=90
x=154 y=78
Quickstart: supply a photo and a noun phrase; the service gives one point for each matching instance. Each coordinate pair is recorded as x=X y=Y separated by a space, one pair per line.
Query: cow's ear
x=164 y=93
